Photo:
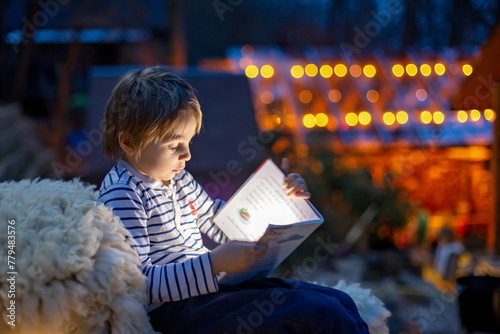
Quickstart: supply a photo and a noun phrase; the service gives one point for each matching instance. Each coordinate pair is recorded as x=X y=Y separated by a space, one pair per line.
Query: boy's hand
x=295 y=185
x=236 y=256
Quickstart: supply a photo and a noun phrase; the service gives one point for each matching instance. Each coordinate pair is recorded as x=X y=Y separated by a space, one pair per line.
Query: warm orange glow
x=421 y=94
x=426 y=117
x=302 y=150
x=438 y=117
x=355 y=70
x=309 y=121
x=297 y=71
x=311 y=70
x=305 y=96
x=389 y=118
x=462 y=116
x=252 y=71
x=340 y=70
x=372 y=96
x=351 y=119
x=267 y=71
x=467 y=69
x=369 y=70
x=490 y=115
x=475 y=115
x=326 y=71
x=321 y=120
x=439 y=69
x=275 y=120
x=364 y=118
x=244 y=62
x=425 y=69
x=334 y=95
x=411 y=69
x=267 y=97
x=398 y=70
x=402 y=117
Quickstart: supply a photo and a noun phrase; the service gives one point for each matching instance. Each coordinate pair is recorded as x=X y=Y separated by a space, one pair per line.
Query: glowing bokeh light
x=421 y=94
x=267 y=97
x=467 y=69
x=309 y=121
x=355 y=71
x=297 y=71
x=321 y=120
x=305 y=96
x=462 y=116
x=475 y=115
x=438 y=117
x=425 y=69
x=252 y=71
x=340 y=70
x=490 y=115
x=426 y=117
x=372 y=96
x=369 y=70
x=411 y=69
x=334 y=95
x=389 y=118
x=398 y=70
x=364 y=118
x=267 y=71
x=439 y=69
x=351 y=119
x=311 y=70
x=326 y=71
x=402 y=117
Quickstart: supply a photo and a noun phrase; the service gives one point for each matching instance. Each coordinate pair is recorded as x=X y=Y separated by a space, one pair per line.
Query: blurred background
x=386 y=107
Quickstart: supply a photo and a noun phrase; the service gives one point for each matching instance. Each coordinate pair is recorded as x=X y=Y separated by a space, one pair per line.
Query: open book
x=261 y=211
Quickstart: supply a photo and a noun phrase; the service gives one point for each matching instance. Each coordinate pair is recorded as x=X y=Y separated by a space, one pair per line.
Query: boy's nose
x=186 y=156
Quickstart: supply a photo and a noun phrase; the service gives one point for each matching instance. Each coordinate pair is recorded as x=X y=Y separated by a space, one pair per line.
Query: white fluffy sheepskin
x=75 y=271
x=371 y=309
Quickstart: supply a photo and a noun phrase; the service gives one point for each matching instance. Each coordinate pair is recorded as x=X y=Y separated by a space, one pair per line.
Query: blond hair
x=144 y=104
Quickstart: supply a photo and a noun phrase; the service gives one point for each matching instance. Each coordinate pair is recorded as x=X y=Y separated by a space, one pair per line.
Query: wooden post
x=494 y=231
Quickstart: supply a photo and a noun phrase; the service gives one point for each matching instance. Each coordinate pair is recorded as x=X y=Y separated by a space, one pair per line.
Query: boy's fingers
x=303 y=194
x=285 y=165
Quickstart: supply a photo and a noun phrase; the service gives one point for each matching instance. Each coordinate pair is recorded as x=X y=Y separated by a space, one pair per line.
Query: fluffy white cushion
x=75 y=271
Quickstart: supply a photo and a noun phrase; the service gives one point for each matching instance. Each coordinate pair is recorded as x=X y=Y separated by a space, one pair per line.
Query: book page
x=260 y=202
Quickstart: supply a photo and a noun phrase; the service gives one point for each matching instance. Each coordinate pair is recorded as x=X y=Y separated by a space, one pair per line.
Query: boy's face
x=165 y=158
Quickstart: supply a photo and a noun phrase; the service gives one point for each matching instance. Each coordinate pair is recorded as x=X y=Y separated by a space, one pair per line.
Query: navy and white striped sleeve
x=166 y=282
x=207 y=209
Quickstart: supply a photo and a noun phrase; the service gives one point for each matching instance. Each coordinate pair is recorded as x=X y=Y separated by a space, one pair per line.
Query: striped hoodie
x=165 y=223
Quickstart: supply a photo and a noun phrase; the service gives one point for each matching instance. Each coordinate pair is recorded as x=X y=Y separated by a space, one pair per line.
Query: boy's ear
x=124 y=140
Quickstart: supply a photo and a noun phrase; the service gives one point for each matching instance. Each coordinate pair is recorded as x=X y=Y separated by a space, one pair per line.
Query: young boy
x=150 y=119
